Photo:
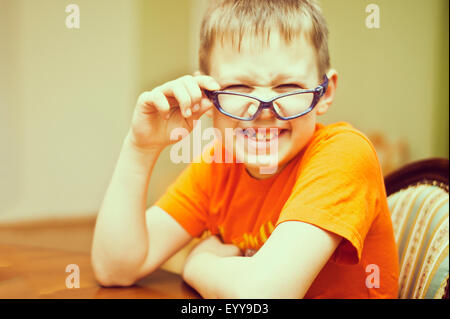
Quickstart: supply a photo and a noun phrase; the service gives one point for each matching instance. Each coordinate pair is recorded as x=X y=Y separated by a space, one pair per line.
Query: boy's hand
x=175 y=104
x=213 y=245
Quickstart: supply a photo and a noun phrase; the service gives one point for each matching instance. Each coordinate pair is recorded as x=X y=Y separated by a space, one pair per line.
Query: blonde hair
x=236 y=19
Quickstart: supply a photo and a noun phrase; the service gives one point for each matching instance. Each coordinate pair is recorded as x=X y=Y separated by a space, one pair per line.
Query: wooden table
x=33 y=272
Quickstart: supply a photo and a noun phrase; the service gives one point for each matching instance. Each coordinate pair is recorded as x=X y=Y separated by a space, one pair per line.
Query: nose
x=265 y=94
x=266 y=112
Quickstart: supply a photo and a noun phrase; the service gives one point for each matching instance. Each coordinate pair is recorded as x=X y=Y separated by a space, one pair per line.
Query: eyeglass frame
x=319 y=91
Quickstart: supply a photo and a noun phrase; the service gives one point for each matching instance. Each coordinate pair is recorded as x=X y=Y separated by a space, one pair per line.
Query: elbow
x=114 y=282
x=107 y=279
x=108 y=275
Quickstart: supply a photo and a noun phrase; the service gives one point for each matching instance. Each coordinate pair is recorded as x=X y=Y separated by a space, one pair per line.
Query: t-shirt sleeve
x=186 y=199
x=338 y=189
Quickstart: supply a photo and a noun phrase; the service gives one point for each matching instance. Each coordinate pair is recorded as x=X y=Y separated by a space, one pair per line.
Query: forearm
x=120 y=238
x=218 y=277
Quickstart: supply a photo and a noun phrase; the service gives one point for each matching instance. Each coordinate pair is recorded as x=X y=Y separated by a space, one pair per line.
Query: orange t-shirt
x=334 y=183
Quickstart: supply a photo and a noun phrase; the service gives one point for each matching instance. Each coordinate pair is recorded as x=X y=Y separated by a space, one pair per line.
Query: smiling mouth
x=263 y=134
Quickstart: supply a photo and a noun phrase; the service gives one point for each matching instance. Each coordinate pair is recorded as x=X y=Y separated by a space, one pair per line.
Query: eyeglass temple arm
x=324 y=85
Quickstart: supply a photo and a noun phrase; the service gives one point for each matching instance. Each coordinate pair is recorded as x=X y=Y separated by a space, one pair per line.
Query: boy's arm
x=284 y=267
x=129 y=242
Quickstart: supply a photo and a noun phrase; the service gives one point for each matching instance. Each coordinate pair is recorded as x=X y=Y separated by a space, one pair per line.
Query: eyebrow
x=251 y=81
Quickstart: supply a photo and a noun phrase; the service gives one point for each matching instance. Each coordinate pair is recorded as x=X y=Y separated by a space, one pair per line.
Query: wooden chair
x=418 y=198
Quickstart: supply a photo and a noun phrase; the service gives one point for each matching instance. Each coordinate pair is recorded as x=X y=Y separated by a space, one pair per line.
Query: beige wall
x=390 y=76
x=9 y=117
x=441 y=65
x=65 y=104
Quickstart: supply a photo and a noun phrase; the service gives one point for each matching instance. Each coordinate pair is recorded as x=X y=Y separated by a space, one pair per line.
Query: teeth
x=260 y=135
x=249 y=133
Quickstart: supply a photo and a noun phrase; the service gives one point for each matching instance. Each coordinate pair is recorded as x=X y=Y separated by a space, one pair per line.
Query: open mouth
x=263 y=134
x=260 y=141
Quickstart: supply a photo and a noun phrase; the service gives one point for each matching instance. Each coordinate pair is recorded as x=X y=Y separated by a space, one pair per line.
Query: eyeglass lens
x=246 y=107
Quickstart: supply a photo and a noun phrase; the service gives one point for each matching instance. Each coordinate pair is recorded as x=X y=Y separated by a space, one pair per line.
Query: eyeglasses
x=286 y=106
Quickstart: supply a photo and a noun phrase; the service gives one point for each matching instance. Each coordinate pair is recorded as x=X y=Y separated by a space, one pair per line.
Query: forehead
x=263 y=59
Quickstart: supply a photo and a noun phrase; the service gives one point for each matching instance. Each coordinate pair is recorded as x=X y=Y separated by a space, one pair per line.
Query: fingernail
x=188 y=112
x=196 y=108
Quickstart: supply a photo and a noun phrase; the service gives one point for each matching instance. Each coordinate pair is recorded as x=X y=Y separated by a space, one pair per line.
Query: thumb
x=205 y=105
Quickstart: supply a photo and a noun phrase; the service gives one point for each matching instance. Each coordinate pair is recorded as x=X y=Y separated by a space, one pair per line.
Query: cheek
x=302 y=130
x=225 y=127
x=221 y=121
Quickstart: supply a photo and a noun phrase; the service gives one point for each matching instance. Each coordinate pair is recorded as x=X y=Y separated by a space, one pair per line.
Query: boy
x=316 y=225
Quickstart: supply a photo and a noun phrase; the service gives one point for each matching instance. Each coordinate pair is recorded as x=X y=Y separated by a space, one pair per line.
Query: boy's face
x=266 y=72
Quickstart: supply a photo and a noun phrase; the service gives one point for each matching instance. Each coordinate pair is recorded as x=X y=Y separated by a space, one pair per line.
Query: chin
x=263 y=164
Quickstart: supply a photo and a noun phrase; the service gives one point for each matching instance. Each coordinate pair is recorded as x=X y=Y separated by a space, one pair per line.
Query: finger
x=179 y=92
x=205 y=104
x=207 y=82
x=147 y=101
x=144 y=98
x=194 y=91
x=161 y=104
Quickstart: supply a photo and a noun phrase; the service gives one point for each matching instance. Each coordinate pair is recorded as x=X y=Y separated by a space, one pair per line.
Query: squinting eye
x=237 y=88
x=289 y=87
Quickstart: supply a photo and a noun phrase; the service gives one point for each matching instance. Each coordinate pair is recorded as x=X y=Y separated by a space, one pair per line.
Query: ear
x=328 y=98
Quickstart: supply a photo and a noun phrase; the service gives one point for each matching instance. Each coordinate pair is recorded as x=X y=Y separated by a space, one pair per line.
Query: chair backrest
x=419 y=204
